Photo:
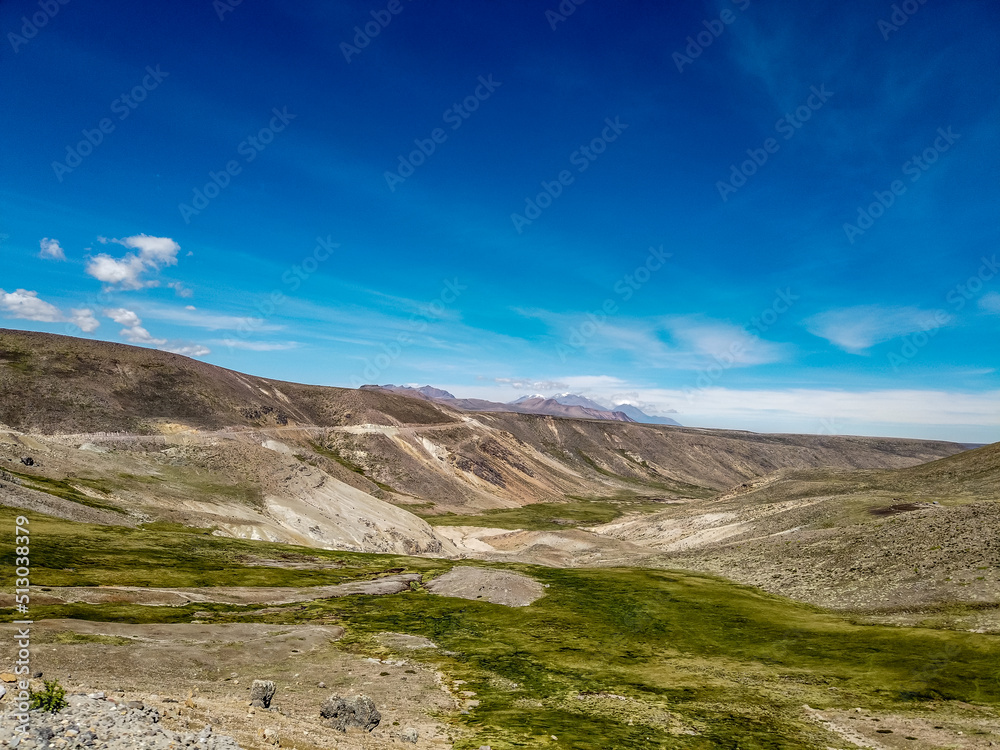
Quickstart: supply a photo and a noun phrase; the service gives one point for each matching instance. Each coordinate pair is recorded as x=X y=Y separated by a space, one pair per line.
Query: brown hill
x=58 y=384
x=905 y=545
x=255 y=457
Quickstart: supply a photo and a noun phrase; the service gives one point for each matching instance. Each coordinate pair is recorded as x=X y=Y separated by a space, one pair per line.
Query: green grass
x=730 y=662
x=551 y=516
x=64 y=553
x=64 y=488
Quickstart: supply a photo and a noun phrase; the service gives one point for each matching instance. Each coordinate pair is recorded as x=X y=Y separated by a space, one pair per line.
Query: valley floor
x=605 y=658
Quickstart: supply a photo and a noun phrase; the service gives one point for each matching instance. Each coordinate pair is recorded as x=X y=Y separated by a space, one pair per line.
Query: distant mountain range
x=569 y=405
x=639 y=415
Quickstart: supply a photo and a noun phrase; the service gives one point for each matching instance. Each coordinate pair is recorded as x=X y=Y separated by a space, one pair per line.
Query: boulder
x=342 y=713
x=261 y=693
x=410 y=735
x=27 y=460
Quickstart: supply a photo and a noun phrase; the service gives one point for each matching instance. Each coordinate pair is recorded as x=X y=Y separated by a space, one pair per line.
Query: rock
x=409 y=735
x=270 y=736
x=358 y=712
x=3 y=692
x=8 y=677
x=261 y=693
x=27 y=460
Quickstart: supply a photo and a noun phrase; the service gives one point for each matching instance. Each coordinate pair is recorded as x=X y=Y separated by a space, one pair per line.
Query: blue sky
x=769 y=216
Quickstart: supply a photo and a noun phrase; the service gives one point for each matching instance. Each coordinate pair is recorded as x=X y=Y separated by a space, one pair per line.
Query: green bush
x=52 y=699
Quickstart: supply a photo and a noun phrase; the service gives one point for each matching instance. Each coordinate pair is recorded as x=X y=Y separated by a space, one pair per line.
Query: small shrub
x=52 y=699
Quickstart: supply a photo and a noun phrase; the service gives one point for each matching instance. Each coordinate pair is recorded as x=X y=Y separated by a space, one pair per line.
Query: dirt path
x=179 y=597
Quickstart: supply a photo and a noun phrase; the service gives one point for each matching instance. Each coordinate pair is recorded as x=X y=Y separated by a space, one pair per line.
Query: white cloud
x=951 y=415
x=258 y=346
x=990 y=302
x=895 y=406
x=84 y=319
x=151 y=254
x=527 y=384
x=133 y=332
x=51 y=249
x=27 y=305
x=123 y=317
x=857 y=329
x=188 y=350
x=139 y=335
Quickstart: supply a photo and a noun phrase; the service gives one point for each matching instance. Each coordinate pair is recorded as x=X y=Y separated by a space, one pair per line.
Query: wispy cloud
x=257 y=346
x=960 y=415
x=197 y=318
x=180 y=289
x=990 y=302
x=715 y=340
x=858 y=329
x=684 y=342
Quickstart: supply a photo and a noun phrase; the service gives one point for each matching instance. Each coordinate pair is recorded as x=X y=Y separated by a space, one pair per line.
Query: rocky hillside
x=57 y=384
x=161 y=436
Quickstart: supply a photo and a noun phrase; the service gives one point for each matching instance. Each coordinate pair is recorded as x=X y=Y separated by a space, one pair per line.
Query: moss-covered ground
x=608 y=658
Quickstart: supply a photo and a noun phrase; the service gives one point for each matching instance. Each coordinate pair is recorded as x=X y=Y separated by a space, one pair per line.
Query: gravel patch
x=97 y=723
x=489 y=585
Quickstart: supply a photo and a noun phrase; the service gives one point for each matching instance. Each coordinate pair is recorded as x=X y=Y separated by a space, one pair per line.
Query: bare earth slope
x=146 y=435
x=57 y=384
x=921 y=541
